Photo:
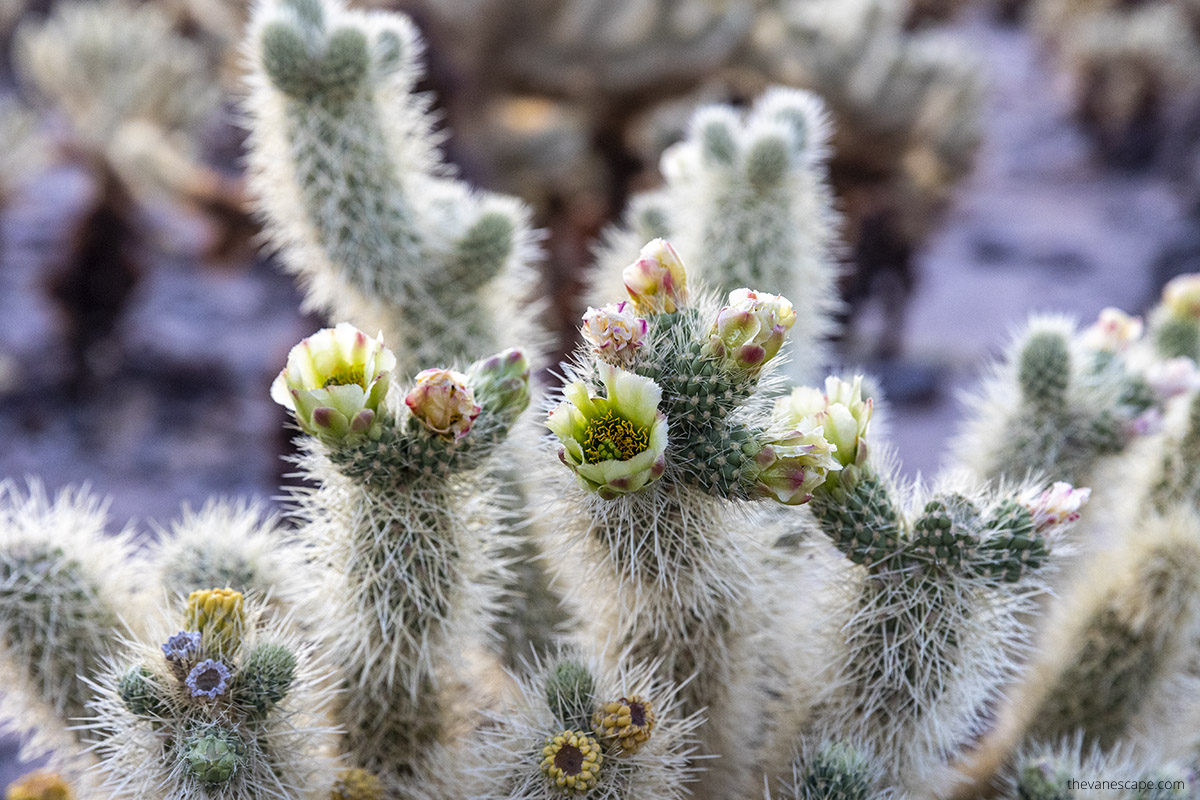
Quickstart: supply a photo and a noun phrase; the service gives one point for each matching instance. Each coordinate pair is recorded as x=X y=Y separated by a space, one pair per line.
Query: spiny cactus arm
x=64 y=589
x=579 y=726
x=747 y=201
x=345 y=166
x=1175 y=322
x=830 y=769
x=233 y=543
x=228 y=705
x=407 y=536
x=1058 y=403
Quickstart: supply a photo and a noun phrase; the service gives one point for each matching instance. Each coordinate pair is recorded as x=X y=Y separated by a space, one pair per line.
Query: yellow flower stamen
x=571 y=760
x=346 y=375
x=610 y=437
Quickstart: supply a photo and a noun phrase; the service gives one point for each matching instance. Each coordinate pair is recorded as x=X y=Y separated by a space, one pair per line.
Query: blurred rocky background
x=990 y=158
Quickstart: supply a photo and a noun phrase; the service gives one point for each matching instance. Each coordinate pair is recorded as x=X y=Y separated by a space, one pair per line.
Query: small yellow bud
x=356 y=784
x=220 y=618
x=40 y=785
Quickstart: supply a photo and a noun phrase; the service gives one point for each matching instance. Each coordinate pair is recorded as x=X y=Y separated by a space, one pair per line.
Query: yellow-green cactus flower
x=614 y=444
x=793 y=464
x=1181 y=296
x=572 y=760
x=1113 y=332
x=219 y=617
x=841 y=413
x=444 y=402
x=335 y=382
x=749 y=331
x=40 y=785
x=657 y=281
x=627 y=722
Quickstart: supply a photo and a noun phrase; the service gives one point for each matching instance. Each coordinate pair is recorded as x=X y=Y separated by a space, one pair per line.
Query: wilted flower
x=571 y=760
x=615 y=329
x=334 y=383
x=628 y=722
x=657 y=281
x=209 y=678
x=182 y=646
x=792 y=464
x=1113 y=331
x=501 y=382
x=750 y=330
x=614 y=444
x=1054 y=506
x=1181 y=296
x=443 y=402
x=841 y=413
x=1173 y=377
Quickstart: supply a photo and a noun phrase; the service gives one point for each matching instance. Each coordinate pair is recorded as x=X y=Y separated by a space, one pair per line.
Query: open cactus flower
x=841 y=412
x=1181 y=297
x=614 y=331
x=615 y=444
x=749 y=331
x=657 y=281
x=1058 y=505
x=1113 y=331
x=335 y=382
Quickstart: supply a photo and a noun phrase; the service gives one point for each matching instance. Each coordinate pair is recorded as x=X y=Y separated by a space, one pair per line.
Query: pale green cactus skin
x=63 y=594
x=349 y=181
x=835 y=770
x=747 y=201
x=405 y=530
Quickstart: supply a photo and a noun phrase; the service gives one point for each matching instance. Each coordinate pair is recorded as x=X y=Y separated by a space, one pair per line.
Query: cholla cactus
x=579 y=728
x=663 y=448
x=348 y=177
x=1176 y=320
x=235 y=544
x=1057 y=403
x=406 y=536
x=64 y=589
x=934 y=609
x=225 y=708
x=748 y=200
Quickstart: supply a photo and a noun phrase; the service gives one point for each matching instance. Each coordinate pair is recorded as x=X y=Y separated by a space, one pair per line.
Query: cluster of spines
x=835 y=770
x=1053 y=408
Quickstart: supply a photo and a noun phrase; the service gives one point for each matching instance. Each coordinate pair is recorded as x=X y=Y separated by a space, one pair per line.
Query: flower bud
x=793 y=464
x=1055 y=506
x=335 y=382
x=615 y=330
x=750 y=330
x=615 y=444
x=501 y=383
x=214 y=755
x=657 y=281
x=219 y=617
x=1172 y=377
x=1112 y=332
x=1181 y=296
x=443 y=402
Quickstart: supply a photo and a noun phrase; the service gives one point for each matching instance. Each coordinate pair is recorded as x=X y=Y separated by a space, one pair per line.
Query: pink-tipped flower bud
x=750 y=330
x=657 y=281
x=443 y=402
x=615 y=331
